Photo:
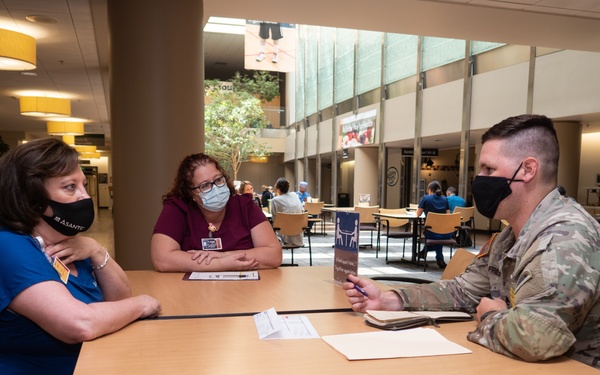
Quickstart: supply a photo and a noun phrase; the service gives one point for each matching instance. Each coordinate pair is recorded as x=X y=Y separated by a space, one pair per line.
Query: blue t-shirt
x=303 y=196
x=25 y=348
x=456 y=201
x=434 y=203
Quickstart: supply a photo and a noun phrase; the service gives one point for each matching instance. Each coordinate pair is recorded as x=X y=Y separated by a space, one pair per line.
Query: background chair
x=287 y=224
x=367 y=222
x=457 y=265
x=467 y=223
x=438 y=224
x=393 y=228
x=316 y=215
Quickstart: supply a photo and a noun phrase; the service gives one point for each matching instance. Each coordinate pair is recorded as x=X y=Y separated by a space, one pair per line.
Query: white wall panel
x=498 y=94
x=442 y=109
x=567 y=83
x=311 y=133
x=399 y=118
x=325 y=136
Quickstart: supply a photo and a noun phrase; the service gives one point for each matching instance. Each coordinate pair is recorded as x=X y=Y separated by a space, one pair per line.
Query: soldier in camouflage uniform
x=535 y=287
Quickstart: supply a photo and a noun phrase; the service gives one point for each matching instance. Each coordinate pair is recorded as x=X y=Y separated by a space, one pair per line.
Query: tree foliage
x=233 y=119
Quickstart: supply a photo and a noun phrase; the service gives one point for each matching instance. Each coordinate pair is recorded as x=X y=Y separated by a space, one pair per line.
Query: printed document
x=271 y=326
x=415 y=342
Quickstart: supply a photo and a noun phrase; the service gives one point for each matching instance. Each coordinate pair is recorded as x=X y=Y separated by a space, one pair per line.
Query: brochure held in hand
x=395 y=320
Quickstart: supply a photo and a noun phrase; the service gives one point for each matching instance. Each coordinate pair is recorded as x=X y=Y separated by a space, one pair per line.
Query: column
x=157 y=109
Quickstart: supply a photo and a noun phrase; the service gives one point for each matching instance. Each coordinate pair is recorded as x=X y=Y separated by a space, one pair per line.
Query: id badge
x=211 y=244
x=63 y=271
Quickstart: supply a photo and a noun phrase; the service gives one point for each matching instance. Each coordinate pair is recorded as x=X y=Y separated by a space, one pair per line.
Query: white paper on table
x=227 y=275
x=416 y=342
x=271 y=326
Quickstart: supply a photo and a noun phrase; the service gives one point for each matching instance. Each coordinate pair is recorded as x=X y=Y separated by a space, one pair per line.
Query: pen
x=361 y=290
x=231 y=276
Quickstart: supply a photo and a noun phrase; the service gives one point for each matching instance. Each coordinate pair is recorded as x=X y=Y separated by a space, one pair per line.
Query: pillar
x=157 y=109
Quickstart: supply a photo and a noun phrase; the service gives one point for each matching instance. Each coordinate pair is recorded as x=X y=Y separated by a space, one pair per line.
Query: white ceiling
x=72 y=53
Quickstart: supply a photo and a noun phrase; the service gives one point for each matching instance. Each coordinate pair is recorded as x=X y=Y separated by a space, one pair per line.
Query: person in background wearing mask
x=205 y=226
x=57 y=288
x=535 y=286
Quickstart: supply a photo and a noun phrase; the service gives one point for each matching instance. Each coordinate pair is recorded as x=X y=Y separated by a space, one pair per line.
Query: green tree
x=233 y=119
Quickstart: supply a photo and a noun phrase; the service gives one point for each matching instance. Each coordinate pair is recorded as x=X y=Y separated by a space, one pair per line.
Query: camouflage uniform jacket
x=549 y=278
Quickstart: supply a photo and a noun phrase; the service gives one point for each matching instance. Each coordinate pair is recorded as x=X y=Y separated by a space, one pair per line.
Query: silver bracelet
x=106 y=258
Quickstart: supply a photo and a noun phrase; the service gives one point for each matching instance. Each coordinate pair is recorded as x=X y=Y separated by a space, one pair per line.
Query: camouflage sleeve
x=461 y=293
x=554 y=290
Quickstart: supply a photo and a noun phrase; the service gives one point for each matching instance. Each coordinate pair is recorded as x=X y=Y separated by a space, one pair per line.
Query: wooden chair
x=438 y=224
x=287 y=224
x=367 y=222
x=314 y=210
x=394 y=228
x=467 y=221
x=456 y=266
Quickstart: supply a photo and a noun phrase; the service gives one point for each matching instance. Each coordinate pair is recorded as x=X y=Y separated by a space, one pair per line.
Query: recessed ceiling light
x=41 y=19
x=32 y=74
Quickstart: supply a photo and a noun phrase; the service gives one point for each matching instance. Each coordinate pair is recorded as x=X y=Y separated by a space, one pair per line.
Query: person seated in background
x=267 y=195
x=302 y=193
x=453 y=199
x=304 y=196
x=535 y=286
x=247 y=188
x=205 y=226
x=286 y=201
x=57 y=288
x=436 y=202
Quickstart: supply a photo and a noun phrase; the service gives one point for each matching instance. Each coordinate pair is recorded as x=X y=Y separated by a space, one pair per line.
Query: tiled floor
x=370 y=263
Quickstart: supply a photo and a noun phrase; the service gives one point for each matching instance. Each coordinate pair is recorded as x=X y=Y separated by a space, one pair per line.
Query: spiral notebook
x=394 y=320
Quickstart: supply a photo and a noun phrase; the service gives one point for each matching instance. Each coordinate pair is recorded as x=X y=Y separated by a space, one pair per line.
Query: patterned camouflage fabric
x=549 y=278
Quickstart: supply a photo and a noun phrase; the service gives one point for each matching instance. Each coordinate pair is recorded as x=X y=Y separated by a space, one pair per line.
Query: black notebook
x=394 y=320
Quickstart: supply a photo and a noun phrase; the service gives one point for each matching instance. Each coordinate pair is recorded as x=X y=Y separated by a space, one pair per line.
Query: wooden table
x=415 y=221
x=287 y=289
x=231 y=346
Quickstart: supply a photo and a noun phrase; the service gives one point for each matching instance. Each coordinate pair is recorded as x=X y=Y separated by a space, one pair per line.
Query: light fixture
x=69 y=139
x=17 y=51
x=44 y=106
x=85 y=149
x=89 y=155
x=258 y=159
x=65 y=128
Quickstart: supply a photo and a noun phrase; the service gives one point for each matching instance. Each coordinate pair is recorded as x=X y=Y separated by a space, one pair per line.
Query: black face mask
x=489 y=191
x=71 y=218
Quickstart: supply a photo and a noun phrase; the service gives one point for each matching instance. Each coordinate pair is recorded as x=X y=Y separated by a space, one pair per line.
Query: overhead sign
x=424 y=152
x=89 y=140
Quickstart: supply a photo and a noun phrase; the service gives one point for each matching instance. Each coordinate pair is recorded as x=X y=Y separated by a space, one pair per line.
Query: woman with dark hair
x=436 y=202
x=57 y=289
x=286 y=201
x=205 y=226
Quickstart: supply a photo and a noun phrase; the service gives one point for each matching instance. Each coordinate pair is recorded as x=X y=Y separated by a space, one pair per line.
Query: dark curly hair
x=182 y=184
x=23 y=173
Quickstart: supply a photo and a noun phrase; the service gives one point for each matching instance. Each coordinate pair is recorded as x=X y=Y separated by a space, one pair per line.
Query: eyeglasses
x=205 y=187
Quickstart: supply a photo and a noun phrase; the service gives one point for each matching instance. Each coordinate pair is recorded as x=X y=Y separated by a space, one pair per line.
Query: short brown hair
x=529 y=135
x=23 y=172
